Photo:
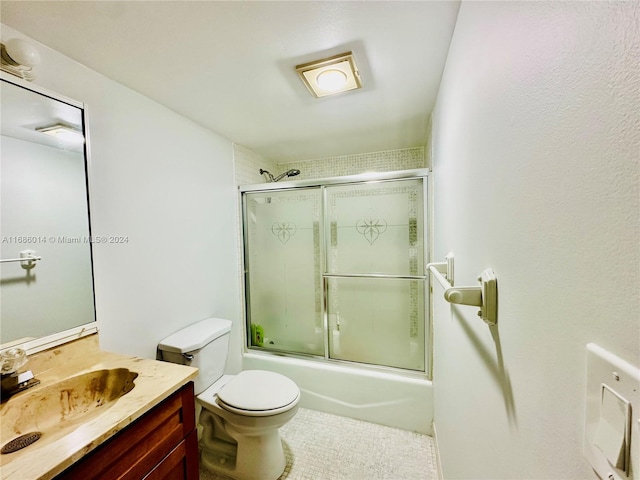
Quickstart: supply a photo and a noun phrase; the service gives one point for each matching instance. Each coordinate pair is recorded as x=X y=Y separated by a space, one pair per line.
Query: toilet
x=240 y=414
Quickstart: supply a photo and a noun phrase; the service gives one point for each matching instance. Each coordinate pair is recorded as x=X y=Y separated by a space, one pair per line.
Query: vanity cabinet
x=162 y=444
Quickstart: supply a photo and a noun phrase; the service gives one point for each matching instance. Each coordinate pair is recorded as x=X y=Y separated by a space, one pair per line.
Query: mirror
x=44 y=215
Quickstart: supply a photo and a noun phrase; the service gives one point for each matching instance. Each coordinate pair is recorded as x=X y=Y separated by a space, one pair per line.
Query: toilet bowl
x=240 y=418
x=240 y=414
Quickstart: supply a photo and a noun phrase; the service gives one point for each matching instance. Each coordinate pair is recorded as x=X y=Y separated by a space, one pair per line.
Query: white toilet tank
x=203 y=345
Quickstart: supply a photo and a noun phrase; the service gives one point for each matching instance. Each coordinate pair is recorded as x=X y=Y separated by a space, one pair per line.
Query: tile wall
x=386 y=161
x=248 y=164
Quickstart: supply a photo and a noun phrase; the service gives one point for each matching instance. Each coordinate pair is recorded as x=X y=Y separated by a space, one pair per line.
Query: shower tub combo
x=336 y=293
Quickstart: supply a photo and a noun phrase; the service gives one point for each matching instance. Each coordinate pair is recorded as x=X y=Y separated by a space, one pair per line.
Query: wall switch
x=612 y=395
x=612 y=433
x=450 y=275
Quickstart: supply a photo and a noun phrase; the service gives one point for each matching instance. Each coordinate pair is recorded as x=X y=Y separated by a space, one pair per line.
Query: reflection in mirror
x=44 y=216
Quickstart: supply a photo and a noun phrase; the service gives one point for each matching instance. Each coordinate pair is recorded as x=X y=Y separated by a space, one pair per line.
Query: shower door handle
x=373 y=275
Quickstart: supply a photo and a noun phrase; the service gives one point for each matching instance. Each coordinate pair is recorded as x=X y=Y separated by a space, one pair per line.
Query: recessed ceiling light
x=331 y=80
x=330 y=75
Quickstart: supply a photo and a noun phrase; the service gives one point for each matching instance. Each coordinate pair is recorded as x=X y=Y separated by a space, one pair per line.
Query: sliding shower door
x=337 y=271
x=375 y=273
x=283 y=284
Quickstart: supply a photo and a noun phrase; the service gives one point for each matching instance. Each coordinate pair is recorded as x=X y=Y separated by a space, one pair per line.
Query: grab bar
x=484 y=296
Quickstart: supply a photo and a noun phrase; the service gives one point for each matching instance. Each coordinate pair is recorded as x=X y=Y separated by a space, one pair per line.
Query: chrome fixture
x=289 y=173
x=18 y=57
x=27 y=259
x=12 y=381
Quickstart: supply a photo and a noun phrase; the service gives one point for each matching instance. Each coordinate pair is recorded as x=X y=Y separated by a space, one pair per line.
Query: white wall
x=536 y=142
x=167 y=184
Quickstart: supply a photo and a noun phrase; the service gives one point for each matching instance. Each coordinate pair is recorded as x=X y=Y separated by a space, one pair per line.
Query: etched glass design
x=376 y=229
x=284 y=287
x=370 y=237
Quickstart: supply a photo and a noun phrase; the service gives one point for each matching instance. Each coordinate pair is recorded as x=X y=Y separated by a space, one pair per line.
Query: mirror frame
x=34 y=345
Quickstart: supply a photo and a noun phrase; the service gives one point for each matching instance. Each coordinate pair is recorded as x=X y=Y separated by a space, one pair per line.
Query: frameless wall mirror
x=46 y=275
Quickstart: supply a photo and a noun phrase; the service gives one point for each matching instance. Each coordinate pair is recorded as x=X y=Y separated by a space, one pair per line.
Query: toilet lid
x=258 y=392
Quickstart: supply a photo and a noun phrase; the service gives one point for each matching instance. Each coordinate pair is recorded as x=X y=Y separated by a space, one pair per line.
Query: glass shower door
x=374 y=276
x=283 y=282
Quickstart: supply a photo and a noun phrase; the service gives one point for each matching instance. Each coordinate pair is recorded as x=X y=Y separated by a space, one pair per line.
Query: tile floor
x=320 y=446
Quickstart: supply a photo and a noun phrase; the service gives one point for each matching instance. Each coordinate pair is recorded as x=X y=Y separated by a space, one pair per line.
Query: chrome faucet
x=12 y=381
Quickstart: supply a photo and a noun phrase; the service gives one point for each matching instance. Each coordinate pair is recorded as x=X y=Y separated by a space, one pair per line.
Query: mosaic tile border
x=248 y=164
x=384 y=161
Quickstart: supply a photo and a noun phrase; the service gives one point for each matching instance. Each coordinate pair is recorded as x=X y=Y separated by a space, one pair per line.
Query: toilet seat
x=258 y=393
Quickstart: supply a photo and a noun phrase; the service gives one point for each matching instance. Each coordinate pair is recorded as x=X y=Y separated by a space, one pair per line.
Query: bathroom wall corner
x=437 y=451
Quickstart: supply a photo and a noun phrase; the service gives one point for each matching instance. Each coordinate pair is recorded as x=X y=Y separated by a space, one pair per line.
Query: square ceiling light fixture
x=330 y=75
x=62 y=132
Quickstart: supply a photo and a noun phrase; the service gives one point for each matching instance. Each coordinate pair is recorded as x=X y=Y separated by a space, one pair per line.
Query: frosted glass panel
x=376 y=228
x=337 y=271
x=283 y=271
x=377 y=321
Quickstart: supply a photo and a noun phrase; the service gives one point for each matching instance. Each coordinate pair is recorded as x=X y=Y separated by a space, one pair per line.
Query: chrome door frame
x=372 y=177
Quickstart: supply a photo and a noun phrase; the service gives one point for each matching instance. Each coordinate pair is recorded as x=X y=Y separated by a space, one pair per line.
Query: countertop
x=56 y=450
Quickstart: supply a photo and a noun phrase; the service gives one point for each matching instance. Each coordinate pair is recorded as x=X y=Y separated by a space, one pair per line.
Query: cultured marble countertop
x=61 y=447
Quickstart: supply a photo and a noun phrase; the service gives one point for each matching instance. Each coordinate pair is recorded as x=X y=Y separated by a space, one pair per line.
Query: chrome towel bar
x=27 y=258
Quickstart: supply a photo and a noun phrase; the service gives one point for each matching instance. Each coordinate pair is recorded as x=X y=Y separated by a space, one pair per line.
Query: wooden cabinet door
x=158 y=445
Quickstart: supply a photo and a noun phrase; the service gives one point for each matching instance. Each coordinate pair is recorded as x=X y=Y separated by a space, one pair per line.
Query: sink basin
x=63 y=406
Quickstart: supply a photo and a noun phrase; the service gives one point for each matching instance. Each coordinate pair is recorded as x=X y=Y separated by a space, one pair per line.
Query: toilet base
x=226 y=464
x=240 y=456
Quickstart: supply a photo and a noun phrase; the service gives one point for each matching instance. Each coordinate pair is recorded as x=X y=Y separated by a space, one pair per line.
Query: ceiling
x=19 y=122
x=229 y=65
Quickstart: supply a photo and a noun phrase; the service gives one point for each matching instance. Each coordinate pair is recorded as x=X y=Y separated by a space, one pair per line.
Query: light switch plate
x=489 y=310
x=608 y=370
x=450 y=263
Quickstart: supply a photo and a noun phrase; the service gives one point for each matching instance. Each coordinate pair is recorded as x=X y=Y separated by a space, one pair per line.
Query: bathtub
x=380 y=397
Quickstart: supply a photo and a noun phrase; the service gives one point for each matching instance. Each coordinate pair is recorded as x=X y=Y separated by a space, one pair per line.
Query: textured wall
x=535 y=142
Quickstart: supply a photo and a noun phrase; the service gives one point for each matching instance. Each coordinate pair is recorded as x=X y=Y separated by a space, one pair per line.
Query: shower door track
x=344 y=180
